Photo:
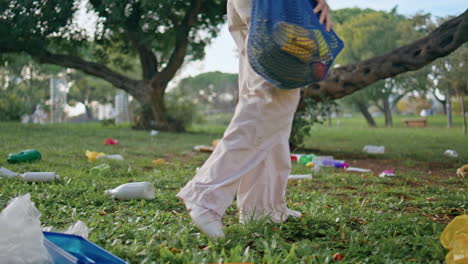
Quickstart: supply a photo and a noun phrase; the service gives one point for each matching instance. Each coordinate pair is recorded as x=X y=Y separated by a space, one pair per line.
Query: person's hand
x=324 y=10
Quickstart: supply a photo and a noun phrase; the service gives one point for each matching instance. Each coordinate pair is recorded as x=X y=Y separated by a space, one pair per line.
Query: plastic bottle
x=40 y=176
x=101 y=169
x=112 y=157
x=24 y=156
x=134 y=190
x=306 y=159
x=335 y=163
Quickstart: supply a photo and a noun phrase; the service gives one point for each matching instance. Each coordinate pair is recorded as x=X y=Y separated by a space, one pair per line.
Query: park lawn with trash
x=348 y=217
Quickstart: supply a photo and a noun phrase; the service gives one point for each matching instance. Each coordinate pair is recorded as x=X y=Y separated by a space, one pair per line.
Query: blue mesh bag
x=287 y=44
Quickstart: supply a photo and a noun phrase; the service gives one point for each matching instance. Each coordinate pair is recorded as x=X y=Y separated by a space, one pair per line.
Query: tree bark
x=448 y=96
x=363 y=108
x=443 y=102
x=348 y=79
x=462 y=104
x=388 y=112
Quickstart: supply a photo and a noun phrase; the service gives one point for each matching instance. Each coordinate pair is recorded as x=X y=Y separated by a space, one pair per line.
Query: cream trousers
x=253 y=157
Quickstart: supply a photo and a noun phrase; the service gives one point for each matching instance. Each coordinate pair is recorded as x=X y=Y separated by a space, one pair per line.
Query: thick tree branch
x=148 y=61
x=118 y=80
x=345 y=80
x=180 y=50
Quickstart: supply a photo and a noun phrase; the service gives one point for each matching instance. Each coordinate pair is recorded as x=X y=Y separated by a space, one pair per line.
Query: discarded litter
x=159 y=161
x=4 y=172
x=154 y=132
x=357 y=169
x=335 y=163
x=387 y=173
x=204 y=148
x=451 y=153
x=24 y=156
x=455 y=239
x=310 y=164
x=374 y=149
x=21 y=238
x=66 y=248
x=462 y=172
x=110 y=141
x=299 y=176
x=100 y=169
x=92 y=155
x=112 y=157
x=304 y=159
x=214 y=143
x=40 y=176
x=79 y=228
x=134 y=190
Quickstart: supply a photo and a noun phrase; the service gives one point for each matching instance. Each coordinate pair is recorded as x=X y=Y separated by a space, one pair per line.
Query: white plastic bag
x=79 y=229
x=21 y=238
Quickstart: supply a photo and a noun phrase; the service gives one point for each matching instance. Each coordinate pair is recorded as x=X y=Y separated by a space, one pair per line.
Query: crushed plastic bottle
x=306 y=159
x=455 y=239
x=93 y=155
x=374 y=149
x=28 y=155
x=335 y=163
x=134 y=190
x=112 y=157
x=40 y=176
x=451 y=153
x=110 y=141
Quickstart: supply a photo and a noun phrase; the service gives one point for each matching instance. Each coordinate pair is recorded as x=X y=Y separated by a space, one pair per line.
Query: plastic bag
x=21 y=238
x=79 y=229
x=287 y=44
x=455 y=238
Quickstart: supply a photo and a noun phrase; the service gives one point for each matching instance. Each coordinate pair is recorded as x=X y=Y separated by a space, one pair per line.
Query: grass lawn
x=365 y=218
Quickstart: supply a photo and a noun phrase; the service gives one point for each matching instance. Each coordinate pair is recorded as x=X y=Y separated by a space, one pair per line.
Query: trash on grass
x=334 y=163
x=92 y=155
x=387 y=173
x=154 y=132
x=204 y=148
x=8 y=173
x=455 y=239
x=40 y=176
x=214 y=143
x=451 y=153
x=299 y=176
x=462 y=172
x=21 y=238
x=374 y=149
x=134 y=190
x=304 y=159
x=112 y=157
x=310 y=164
x=357 y=169
x=24 y=156
x=110 y=141
x=100 y=169
x=159 y=161
x=79 y=228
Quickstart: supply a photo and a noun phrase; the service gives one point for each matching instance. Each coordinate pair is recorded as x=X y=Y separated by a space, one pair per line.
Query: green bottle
x=24 y=156
x=306 y=158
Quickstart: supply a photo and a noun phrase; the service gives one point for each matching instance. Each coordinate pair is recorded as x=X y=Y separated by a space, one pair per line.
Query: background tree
x=160 y=33
x=86 y=89
x=212 y=92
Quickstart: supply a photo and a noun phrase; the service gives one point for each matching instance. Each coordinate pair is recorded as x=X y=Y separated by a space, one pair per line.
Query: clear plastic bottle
x=40 y=176
x=134 y=190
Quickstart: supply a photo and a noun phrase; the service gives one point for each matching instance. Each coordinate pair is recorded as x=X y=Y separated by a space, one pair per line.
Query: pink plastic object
x=110 y=141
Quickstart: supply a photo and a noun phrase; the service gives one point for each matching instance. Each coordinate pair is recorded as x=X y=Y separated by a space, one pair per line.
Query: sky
x=221 y=55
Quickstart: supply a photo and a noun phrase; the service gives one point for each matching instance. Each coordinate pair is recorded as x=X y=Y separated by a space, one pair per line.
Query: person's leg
x=261 y=121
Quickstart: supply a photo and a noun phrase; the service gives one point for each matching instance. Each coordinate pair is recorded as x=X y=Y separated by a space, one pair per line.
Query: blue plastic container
x=65 y=249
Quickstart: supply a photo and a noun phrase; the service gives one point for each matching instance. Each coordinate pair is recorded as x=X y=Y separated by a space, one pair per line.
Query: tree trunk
x=387 y=112
x=365 y=112
x=462 y=104
x=443 y=102
x=89 y=112
x=448 y=96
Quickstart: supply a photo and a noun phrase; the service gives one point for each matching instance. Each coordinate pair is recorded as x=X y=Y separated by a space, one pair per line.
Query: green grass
x=365 y=218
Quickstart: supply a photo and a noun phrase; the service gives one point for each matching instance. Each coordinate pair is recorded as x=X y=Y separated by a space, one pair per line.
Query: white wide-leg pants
x=253 y=157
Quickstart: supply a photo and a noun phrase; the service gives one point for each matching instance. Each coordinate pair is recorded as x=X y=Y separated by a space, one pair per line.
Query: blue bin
x=71 y=249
